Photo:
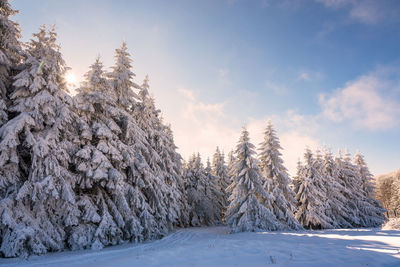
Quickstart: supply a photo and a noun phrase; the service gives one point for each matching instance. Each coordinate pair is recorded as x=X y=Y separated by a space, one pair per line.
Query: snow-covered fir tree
x=200 y=186
x=166 y=161
x=372 y=210
x=297 y=178
x=128 y=159
x=337 y=211
x=249 y=208
x=277 y=181
x=174 y=169
x=220 y=170
x=121 y=77
x=367 y=180
x=147 y=170
x=213 y=191
x=311 y=195
x=39 y=204
x=351 y=181
x=10 y=48
x=10 y=55
x=113 y=207
x=230 y=164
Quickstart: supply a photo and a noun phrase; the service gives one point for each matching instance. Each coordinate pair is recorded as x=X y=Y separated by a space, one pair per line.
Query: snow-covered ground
x=213 y=246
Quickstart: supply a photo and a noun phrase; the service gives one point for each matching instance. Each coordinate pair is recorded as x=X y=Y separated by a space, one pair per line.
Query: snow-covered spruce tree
x=143 y=172
x=121 y=77
x=166 y=160
x=124 y=178
x=296 y=182
x=146 y=171
x=311 y=195
x=174 y=167
x=337 y=210
x=214 y=192
x=249 y=208
x=10 y=56
x=231 y=163
x=347 y=177
x=39 y=205
x=112 y=206
x=10 y=49
x=367 y=180
x=161 y=156
x=372 y=210
x=277 y=181
x=362 y=211
x=220 y=170
x=202 y=194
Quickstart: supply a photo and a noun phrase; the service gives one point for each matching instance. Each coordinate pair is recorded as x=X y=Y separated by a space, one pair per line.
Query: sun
x=70 y=78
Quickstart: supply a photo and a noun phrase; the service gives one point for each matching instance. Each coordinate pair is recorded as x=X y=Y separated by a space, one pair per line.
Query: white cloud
x=333 y=3
x=305 y=76
x=367 y=102
x=367 y=12
x=364 y=11
x=278 y=89
x=187 y=94
x=309 y=76
x=201 y=127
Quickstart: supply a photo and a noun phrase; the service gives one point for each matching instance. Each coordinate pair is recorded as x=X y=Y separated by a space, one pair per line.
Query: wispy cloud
x=201 y=127
x=363 y=11
x=277 y=88
x=368 y=102
x=310 y=76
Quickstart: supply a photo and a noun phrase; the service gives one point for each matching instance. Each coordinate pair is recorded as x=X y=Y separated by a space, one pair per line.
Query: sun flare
x=70 y=78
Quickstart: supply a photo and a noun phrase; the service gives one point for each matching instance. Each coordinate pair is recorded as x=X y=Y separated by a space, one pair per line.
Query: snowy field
x=213 y=246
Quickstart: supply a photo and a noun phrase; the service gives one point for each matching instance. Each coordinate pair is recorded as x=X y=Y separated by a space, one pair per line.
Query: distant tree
x=367 y=180
x=230 y=163
x=388 y=192
x=201 y=194
x=220 y=170
x=347 y=178
x=311 y=195
x=213 y=192
x=338 y=210
x=371 y=208
x=249 y=208
x=277 y=181
x=394 y=205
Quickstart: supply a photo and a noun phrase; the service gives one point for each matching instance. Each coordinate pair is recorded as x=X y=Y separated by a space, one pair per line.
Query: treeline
x=101 y=168
x=327 y=192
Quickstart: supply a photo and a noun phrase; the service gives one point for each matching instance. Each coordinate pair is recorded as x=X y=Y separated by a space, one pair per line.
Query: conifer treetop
x=122 y=77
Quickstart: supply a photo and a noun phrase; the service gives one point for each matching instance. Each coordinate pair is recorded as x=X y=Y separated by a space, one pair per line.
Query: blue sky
x=325 y=71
